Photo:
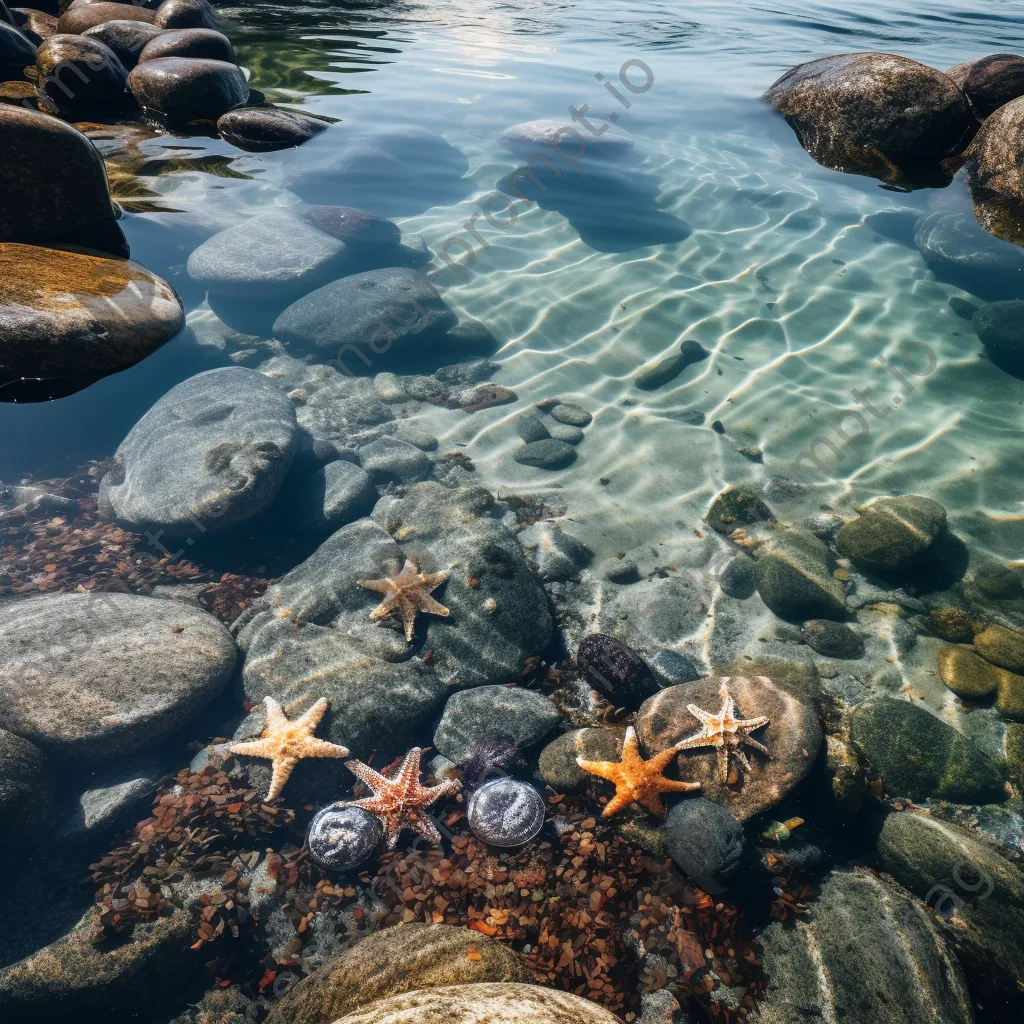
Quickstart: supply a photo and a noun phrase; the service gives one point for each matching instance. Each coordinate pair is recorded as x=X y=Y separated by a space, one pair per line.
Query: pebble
x=705 y=840
x=568 y=434
x=267 y=129
x=547 y=454
x=832 y=639
x=341 y=837
x=531 y=428
x=620 y=570
x=668 y=369
x=573 y=415
x=506 y=812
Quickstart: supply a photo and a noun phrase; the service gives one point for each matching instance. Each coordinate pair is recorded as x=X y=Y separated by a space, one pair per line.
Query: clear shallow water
x=782 y=278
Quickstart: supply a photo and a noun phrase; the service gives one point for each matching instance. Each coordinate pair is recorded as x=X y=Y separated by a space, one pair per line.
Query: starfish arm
x=366 y=774
x=742 y=758
x=408 y=612
x=431 y=794
x=311 y=719
x=283 y=768
x=751 y=742
x=386 y=607
x=427 y=604
x=661 y=761
x=381 y=586
x=610 y=770
x=723 y=764
x=617 y=803
x=700 y=739
x=674 y=786
x=275 y=717
x=433 y=579
x=425 y=827
x=699 y=713
x=749 y=724
x=314 y=747
x=252 y=748
x=651 y=801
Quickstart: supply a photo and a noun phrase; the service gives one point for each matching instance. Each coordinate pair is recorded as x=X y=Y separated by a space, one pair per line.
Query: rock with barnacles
x=341 y=837
x=506 y=812
x=615 y=669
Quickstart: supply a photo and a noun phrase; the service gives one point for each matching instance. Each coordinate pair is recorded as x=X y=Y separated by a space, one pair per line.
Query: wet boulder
x=210 y=454
x=704 y=840
x=866 y=951
x=877 y=114
x=564 y=139
x=125 y=671
x=26 y=791
x=68 y=319
x=892 y=535
x=330 y=497
x=1000 y=328
x=189 y=42
x=990 y=82
x=995 y=172
x=17 y=52
x=180 y=90
x=80 y=78
x=186 y=14
x=126 y=39
x=84 y=15
x=266 y=129
x=36 y=25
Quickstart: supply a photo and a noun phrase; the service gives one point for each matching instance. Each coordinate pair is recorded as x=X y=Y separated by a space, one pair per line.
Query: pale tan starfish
x=725 y=732
x=407 y=593
x=399 y=801
x=286 y=743
x=636 y=780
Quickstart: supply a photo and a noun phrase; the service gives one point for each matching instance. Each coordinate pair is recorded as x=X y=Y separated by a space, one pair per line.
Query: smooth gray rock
x=1000 y=328
x=521 y=716
x=867 y=952
x=26 y=790
x=547 y=454
x=124 y=671
x=620 y=570
x=557 y=763
x=388 y=459
x=891 y=534
x=572 y=415
x=210 y=454
x=704 y=840
x=530 y=427
x=794 y=579
x=557 y=554
x=565 y=432
x=832 y=639
x=332 y=496
x=549 y=136
x=654 y=613
x=500 y=614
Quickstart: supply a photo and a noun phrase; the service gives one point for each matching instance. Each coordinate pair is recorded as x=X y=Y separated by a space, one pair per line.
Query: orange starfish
x=400 y=800
x=286 y=743
x=725 y=732
x=407 y=593
x=636 y=780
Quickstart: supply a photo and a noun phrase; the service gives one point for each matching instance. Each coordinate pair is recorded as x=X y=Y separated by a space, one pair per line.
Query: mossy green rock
x=891 y=534
x=793 y=577
x=977 y=896
x=966 y=674
x=1001 y=646
x=1015 y=752
x=919 y=756
x=402 y=959
x=1010 y=697
x=737 y=507
x=1002 y=582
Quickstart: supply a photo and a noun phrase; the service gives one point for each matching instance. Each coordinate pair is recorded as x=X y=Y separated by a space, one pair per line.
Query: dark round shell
x=506 y=812
x=341 y=837
x=615 y=669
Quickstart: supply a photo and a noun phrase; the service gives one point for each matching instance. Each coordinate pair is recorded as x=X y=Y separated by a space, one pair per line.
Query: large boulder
x=493 y=1003
x=891 y=535
x=919 y=756
x=69 y=318
x=793 y=736
x=79 y=78
x=16 y=53
x=995 y=172
x=26 y=791
x=84 y=14
x=794 y=579
x=402 y=959
x=125 y=38
x=189 y=42
x=990 y=81
x=1000 y=328
x=186 y=14
x=53 y=185
x=179 y=90
x=866 y=952
x=209 y=455
x=877 y=114
x=96 y=676
x=976 y=894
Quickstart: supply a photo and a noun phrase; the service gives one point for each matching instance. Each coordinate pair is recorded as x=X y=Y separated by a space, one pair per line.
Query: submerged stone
x=266 y=129
x=966 y=674
x=892 y=534
x=995 y=172
x=617 y=670
x=1000 y=327
x=704 y=840
x=737 y=507
x=549 y=453
x=1001 y=646
x=26 y=791
x=794 y=579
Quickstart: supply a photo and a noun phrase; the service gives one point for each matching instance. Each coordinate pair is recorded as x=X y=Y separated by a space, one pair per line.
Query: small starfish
x=637 y=781
x=400 y=800
x=725 y=732
x=286 y=743
x=407 y=593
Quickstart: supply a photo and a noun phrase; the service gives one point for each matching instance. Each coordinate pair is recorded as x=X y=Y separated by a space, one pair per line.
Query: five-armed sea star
x=286 y=743
x=407 y=593
x=725 y=732
x=636 y=780
x=400 y=800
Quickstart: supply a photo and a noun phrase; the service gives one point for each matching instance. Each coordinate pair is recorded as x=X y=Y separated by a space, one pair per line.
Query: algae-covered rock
x=977 y=897
x=794 y=579
x=919 y=756
x=26 y=790
x=737 y=507
x=966 y=674
x=1015 y=751
x=397 y=960
x=1001 y=646
x=891 y=534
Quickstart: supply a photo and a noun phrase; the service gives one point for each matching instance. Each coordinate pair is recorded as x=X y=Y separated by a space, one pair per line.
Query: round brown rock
x=402 y=959
x=79 y=78
x=127 y=39
x=80 y=16
x=483 y=1004
x=37 y=25
x=189 y=42
x=185 y=14
x=990 y=82
x=183 y=89
x=76 y=318
x=967 y=675
x=792 y=736
x=53 y=185
x=995 y=172
x=265 y=129
x=16 y=53
x=877 y=114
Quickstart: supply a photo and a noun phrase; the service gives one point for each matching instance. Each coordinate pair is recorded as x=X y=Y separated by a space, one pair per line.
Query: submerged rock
x=400 y=959
x=267 y=129
x=995 y=172
x=189 y=42
x=558 y=766
x=26 y=792
x=990 y=81
x=877 y=114
x=125 y=671
x=72 y=318
x=966 y=674
x=891 y=535
x=919 y=756
x=547 y=454
x=977 y=897
x=482 y=1004
x=97 y=77
x=553 y=136
x=704 y=840
x=332 y=496
x=209 y=455
x=832 y=639
x=557 y=554
x=867 y=952
x=669 y=368
x=793 y=736
x=1000 y=327
x=179 y=90
x=1001 y=646
x=737 y=507
x=794 y=579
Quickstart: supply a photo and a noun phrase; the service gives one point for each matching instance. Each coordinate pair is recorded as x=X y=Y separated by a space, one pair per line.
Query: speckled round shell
x=614 y=668
x=340 y=837
x=506 y=812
